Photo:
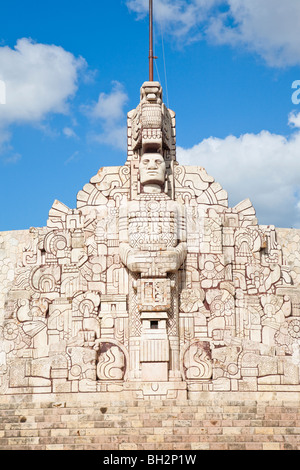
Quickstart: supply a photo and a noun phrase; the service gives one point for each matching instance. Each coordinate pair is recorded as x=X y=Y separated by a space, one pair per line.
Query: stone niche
x=152 y=287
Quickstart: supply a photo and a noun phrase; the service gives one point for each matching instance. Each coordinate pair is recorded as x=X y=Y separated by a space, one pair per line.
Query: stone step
x=75 y=423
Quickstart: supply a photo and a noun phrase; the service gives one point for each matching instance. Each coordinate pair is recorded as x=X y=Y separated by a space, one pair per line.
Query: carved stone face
x=152 y=169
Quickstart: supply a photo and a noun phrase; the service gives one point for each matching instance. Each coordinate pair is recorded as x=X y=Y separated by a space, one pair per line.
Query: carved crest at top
x=151 y=121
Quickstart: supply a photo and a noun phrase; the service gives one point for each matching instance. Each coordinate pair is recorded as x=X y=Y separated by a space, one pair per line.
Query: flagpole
x=151 y=40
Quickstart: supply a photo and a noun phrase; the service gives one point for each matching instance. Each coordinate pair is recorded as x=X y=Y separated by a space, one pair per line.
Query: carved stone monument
x=152 y=287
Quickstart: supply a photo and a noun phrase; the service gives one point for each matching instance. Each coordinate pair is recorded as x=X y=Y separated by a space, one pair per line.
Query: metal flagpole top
x=151 y=56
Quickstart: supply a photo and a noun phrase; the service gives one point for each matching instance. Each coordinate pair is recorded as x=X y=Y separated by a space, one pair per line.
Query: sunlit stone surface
x=152 y=287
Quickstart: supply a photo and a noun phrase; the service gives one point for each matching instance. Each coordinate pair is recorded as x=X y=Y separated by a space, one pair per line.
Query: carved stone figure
x=152 y=286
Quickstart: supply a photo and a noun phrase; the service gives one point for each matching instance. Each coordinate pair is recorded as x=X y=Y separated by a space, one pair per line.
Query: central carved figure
x=154 y=240
x=153 y=245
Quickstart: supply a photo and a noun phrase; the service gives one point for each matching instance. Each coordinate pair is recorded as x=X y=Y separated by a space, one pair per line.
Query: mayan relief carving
x=152 y=286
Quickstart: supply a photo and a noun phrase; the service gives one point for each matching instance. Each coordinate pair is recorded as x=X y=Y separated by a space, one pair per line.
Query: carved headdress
x=151 y=128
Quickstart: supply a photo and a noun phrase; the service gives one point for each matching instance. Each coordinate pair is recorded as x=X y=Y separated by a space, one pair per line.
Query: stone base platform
x=215 y=421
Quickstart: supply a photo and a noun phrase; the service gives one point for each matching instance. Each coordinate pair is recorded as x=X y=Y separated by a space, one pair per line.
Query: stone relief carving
x=152 y=286
x=197 y=363
x=111 y=363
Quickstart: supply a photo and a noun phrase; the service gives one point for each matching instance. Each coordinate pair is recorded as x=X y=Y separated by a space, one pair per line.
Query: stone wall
x=289 y=239
x=39 y=374
x=152 y=287
x=215 y=421
x=11 y=250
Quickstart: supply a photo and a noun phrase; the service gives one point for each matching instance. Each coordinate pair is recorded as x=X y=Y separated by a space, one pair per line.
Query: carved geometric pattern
x=150 y=281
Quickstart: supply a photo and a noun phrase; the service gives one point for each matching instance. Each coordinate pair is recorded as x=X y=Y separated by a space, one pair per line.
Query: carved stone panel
x=152 y=286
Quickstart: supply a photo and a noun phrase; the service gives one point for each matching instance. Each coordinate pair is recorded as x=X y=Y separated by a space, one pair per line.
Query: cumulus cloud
x=2 y=92
x=179 y=17
x=269 y=28
x=110 y=107
x=109 y=112
x=264 y=167
x=39 y=80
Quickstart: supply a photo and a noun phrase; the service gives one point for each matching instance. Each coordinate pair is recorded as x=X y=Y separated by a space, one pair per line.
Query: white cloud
x=39 y=79
x=2 y=92
x=264 y=167
x=113 y=136
x=267 y=27
x=109 y=112
x=178 y=17
x=109 y=107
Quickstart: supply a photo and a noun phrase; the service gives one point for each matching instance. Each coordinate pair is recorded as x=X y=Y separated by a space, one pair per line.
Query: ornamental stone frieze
x=152 y=286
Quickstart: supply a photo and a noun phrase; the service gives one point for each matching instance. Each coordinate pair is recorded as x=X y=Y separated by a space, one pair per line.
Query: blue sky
x=73 y=71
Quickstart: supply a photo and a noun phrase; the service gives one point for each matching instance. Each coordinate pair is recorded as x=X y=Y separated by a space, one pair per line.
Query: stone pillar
x=155 y=347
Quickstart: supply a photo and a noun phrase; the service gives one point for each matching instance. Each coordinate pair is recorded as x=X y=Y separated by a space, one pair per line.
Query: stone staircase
x=228 y=421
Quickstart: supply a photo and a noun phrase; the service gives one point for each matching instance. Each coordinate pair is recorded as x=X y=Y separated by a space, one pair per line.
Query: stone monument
x=152 y=287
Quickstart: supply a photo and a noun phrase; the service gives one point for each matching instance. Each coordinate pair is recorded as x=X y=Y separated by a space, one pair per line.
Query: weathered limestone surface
x=289 y=239
x=215 y=421
x=152 y=288
x=11 y=252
